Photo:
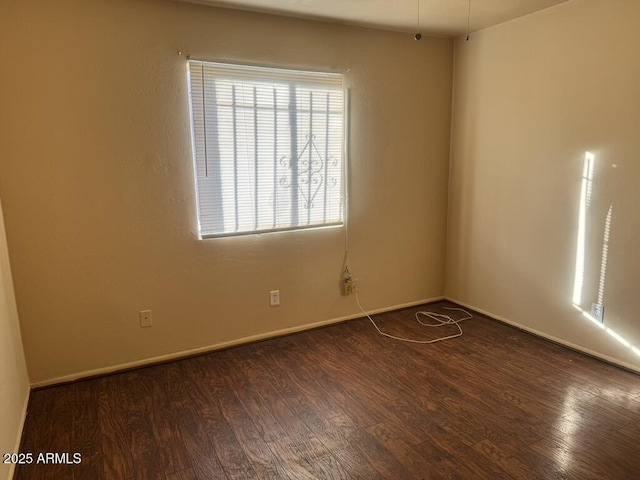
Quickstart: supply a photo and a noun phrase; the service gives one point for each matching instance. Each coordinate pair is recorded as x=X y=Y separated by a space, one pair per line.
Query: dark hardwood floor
x=344 y=402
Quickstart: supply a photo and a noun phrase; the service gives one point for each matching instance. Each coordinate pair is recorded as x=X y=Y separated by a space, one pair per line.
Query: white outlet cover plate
x=274 y=298
x=597 y=312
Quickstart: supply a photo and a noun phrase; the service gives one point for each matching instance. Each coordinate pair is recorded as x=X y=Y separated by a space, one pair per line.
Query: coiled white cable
x=439 y=318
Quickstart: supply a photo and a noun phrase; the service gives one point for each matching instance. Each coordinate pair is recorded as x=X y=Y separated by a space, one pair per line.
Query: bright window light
x=268 y=147
x=585 y=200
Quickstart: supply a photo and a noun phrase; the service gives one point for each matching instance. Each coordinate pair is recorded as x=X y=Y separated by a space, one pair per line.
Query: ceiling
x=437 y=17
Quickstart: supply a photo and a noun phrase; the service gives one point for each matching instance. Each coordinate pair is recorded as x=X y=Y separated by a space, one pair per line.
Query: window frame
x=266 y=71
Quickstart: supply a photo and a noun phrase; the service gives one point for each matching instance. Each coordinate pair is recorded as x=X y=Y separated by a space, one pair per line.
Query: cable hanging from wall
x=435 y=319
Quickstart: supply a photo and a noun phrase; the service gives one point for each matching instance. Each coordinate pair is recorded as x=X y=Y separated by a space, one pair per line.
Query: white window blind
x=268 y=148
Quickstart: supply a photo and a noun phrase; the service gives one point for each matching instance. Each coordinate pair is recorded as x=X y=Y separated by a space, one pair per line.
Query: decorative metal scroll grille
x=312 y=172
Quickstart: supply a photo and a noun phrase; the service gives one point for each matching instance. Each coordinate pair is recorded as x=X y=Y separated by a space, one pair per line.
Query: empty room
x=372 y=239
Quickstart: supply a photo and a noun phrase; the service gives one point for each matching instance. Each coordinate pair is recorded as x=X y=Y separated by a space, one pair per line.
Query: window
x=268 y=148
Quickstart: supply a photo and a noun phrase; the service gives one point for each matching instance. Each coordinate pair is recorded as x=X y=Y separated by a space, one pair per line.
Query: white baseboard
x=218 y=346
x=546 y=336
x=23 y=417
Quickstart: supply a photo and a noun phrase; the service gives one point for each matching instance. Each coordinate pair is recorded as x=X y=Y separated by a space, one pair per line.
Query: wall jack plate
x=597 y=312
x=145 y=318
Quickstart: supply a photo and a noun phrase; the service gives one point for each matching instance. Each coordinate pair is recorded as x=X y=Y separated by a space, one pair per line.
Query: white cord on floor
x=437 y=317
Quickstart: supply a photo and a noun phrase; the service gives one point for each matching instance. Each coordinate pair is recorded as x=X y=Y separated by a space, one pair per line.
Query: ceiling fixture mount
x=418 y=35
x=468 y=19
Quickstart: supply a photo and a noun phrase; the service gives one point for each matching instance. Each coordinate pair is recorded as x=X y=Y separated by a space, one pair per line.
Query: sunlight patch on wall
x=585 y=215
x=623 y=341
x=605 y=255
x=585 y=200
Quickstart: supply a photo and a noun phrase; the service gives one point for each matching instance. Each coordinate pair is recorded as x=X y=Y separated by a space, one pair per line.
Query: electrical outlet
x=351 y=286
x=597 y=311
x=145 y=318
x=274 y=298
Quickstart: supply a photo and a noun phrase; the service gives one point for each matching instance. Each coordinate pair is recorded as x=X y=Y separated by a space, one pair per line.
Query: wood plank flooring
x=343 y=402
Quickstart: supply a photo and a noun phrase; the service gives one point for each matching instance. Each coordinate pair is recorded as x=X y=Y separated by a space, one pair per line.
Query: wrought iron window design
x=268 y=148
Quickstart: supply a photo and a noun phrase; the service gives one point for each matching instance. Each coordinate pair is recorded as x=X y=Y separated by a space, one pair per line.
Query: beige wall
x=14 y=383
x=530 y=98
x=96 y=178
